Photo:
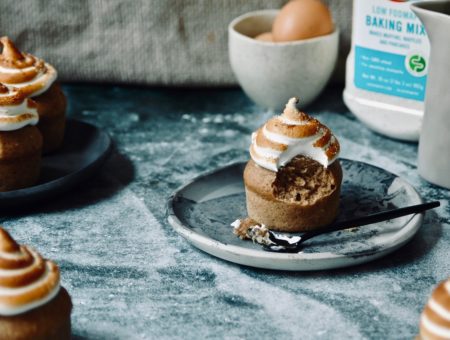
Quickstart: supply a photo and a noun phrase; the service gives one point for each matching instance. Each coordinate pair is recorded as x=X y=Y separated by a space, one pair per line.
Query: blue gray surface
x=132 y=277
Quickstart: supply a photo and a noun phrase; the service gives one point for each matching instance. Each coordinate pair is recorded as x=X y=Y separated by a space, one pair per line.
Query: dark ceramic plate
x=84 y=150
x=202 y=210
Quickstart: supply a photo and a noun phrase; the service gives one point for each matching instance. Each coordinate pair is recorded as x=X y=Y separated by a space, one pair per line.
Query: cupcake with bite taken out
x=33 y=305
x=20 y=140
x=37 y=80
x=293 y=180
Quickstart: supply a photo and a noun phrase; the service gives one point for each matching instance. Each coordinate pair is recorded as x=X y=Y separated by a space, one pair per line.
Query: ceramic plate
x=202 y=211
x=84 y=150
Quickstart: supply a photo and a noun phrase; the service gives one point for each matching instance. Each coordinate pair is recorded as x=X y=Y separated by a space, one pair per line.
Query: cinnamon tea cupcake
x=33 y=305
x=435 y=318
x=20 y=140
x=36 y=79
x=293 y=180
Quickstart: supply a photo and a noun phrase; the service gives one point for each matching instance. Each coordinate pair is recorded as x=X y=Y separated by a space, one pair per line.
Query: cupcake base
x=53 y=133
x=48 y=322
x=20 y=158
x=51 y=106
x=302 y=197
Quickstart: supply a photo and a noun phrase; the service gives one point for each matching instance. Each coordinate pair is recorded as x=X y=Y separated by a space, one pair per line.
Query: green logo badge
x=416 y=65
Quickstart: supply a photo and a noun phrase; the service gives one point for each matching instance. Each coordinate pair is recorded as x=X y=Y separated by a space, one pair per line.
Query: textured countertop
x=132 y=277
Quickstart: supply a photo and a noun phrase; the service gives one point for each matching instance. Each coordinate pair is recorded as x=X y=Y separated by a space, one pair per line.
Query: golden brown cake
x=33 y=305
x=435 y=319
x=20 y=140
x=36 y=79
x=293 y=180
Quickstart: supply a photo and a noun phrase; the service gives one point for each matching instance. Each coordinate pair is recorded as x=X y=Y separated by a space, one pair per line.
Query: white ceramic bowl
x=271 y=73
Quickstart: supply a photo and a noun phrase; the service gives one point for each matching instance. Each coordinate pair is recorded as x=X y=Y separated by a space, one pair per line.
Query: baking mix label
x=391 y=49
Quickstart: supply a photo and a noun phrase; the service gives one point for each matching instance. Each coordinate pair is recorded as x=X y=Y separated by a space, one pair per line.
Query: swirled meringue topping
x=27 y=281
x=435 y=319
x=22 y=70
x=16 y=110
x=293 y=133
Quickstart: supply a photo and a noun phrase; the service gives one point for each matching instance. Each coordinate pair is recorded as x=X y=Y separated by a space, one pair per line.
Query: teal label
x=389 y=73
x=391 y=49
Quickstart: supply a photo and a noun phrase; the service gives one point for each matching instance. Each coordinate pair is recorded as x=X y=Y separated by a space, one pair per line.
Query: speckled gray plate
x=84 y=150
x=202 y=210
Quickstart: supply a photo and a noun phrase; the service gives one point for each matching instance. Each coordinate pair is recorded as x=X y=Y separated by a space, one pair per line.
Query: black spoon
x=293 y=244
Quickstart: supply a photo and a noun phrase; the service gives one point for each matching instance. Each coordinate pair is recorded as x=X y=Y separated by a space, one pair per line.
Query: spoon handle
x=373 y=218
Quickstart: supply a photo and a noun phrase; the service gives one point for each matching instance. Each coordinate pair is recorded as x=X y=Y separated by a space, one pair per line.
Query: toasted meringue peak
x=10 y=52
x=435 y=318
x=291 y=134
x=292 y=113
x=7 y=243
x=23 y=70
x=27 y=280
x=16 y=110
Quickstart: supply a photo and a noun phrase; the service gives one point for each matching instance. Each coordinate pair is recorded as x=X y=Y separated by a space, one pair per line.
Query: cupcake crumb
x=249 y=229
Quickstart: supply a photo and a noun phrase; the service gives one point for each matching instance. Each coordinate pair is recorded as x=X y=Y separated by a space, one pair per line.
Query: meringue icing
x=293 y=133
x=27 y=281
x=16 y=111
x=25 y=71
x=435 y=319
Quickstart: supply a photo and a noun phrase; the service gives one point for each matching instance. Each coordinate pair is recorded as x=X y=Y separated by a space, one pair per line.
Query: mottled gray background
x=132 y=277
x=170 y=42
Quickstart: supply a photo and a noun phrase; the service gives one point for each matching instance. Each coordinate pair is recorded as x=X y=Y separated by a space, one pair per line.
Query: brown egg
x=302 y=19
x=265 y=37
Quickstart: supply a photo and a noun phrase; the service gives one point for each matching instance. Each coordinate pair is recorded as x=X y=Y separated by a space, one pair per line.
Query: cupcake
x=293 y=179
x=36 y=79
x=33 y=305
x=20 y=140
x=435 y=318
